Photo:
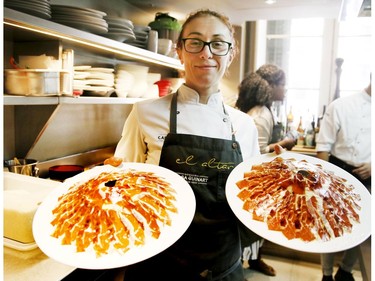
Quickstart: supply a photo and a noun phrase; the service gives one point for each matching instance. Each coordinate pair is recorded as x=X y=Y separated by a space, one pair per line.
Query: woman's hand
x=279 y=149
x=114 y=161
x=363 y=171
x=288 y=143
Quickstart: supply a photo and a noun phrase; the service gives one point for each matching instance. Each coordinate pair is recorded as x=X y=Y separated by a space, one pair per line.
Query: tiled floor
x=291 y=270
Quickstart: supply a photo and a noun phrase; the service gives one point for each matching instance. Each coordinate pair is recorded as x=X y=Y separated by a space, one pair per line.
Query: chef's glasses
x=217 y=48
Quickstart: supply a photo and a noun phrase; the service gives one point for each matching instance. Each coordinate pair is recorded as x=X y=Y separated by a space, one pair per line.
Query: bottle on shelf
x=310 y=134
x=318 y=122
x=301 y=133
x=290 y=119
x=320 y=118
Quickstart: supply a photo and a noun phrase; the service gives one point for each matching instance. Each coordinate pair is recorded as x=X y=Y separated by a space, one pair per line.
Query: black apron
x=210 y=248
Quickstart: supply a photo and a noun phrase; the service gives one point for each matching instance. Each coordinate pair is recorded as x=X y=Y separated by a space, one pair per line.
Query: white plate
x=121 y=37
x=32 y=4
x=93 y=28
x=118 y=20
x=141 y=33
x=101 y=75
x=74 y=9
x=145 y=28
x=121 y=30
x=93 y=88
x=80 y=75
x=140 y=39
x=100 y=82
x=82 y=67
x=102 y=69
x=119 y=25
x=360 y=232
x=41 y=13
x=79 y=83
x=82 y=18
x=66 y=254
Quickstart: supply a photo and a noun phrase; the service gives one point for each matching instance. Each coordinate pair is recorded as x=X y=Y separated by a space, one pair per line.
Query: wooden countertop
x=311 y=151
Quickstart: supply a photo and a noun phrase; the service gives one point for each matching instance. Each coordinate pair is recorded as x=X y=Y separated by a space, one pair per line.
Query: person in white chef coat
x=345 y=140
x=195 y=124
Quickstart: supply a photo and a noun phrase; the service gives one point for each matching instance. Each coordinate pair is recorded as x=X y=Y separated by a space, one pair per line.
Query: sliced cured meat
x=300 y=199
x=116 y=210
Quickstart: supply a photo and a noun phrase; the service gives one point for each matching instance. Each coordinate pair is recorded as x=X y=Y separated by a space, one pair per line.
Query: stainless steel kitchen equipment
x=26 y=167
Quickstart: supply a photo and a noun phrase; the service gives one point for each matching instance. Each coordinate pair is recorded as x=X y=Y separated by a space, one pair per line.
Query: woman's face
x=279 y=92
x=203 y=70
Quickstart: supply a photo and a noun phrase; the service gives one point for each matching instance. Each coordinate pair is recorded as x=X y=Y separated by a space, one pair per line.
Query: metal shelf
x=28 y=100
x=101 y=44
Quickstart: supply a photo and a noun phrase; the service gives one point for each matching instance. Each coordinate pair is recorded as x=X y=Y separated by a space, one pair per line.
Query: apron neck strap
x=173 y=115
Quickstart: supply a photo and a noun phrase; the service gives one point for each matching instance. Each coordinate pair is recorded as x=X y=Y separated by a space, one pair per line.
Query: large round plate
x=75 y=9
x=360 y=232
x=34 y=11
x=66 y=254
x=85 y=26
x=81 y=19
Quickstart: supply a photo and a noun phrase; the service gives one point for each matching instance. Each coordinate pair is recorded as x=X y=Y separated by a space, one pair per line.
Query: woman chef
x=193 y=133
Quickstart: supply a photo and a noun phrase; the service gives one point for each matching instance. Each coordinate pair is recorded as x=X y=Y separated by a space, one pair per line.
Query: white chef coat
x=345 y=131
x=264 y=121
x=148 y=124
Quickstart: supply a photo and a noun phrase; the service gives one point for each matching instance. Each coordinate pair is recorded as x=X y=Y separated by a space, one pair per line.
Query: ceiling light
x=270 y=2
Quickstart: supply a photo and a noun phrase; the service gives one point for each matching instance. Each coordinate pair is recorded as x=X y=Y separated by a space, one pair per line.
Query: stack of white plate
x=98 y=81
x=85 y=19
x=141 y=34
x=38 y=8
x=120 y=29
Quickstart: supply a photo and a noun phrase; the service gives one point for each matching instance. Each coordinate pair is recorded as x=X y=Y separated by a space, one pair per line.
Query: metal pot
x=23 y=166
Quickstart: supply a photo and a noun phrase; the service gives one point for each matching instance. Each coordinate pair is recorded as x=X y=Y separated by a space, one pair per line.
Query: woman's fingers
x=114 y=161
x=279 y=149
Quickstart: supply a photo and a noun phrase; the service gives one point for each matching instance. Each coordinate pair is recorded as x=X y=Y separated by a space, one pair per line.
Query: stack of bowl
x=124 y=81
x=139 y=73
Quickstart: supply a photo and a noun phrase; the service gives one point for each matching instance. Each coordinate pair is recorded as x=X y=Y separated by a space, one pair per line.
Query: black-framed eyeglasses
x=217 y=48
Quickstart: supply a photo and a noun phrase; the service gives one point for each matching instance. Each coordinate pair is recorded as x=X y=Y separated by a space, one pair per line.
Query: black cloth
x=210 y=248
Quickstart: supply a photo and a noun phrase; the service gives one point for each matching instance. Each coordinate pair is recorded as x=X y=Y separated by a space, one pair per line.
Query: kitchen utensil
x=164 y=87
x=164 y=46
x=167 y=27
x=62 y=172
x=152 y=43
x=23 y=166
x=36 y=82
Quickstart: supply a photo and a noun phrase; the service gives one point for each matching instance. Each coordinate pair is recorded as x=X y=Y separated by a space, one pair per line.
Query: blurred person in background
x=257 y=92
x=345 y=140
